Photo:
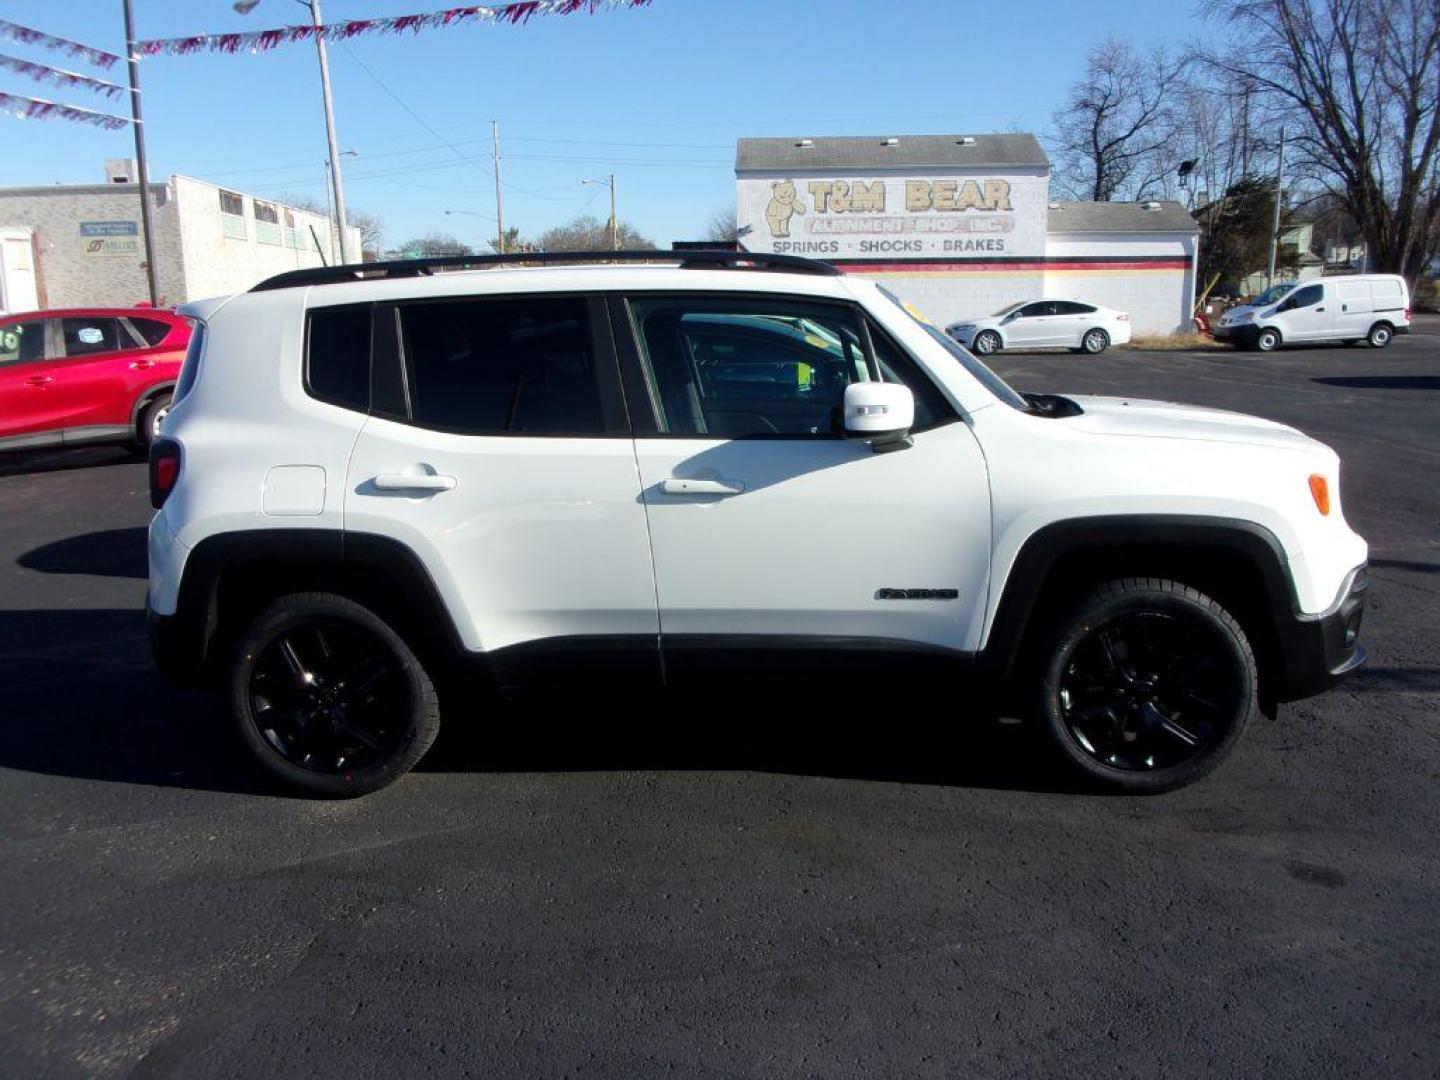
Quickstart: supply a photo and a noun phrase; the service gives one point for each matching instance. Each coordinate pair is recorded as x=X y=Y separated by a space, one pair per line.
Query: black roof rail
x=688 y=260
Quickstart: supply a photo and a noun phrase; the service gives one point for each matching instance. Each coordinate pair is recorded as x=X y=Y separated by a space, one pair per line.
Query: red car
x=88 y=375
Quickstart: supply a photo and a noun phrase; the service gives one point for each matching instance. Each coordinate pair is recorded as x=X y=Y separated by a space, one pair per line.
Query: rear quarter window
x=153 y=331
x=337 y=356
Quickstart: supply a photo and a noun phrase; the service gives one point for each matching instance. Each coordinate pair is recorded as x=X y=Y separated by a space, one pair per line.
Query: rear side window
x=84 y=337
x=503 y=366
x=153 y=331
x=22 y=342
x=337 y=361
x=1069 y=307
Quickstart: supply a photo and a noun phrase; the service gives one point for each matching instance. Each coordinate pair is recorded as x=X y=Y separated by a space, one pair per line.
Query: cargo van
x=1365 y=307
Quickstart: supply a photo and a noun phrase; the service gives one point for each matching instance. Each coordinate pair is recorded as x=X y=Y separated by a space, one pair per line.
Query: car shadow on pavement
x=1382 y=382
x=109 y=553
x=84 y=700
x=29 y=462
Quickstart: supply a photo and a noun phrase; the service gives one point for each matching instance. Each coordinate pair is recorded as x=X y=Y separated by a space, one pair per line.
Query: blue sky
x=658 y=96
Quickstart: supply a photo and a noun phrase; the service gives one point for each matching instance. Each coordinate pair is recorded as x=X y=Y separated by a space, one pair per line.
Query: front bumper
x=1319 y=651
x=1239 y=334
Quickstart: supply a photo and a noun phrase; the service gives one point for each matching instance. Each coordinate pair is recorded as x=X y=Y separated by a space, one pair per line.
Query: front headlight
x=1249 y=316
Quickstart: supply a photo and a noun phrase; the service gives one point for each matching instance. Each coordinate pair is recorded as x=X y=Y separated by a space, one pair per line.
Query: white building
x=962 y=225
x=84 y=242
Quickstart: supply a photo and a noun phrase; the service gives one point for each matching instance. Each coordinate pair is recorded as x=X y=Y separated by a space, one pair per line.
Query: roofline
x=53 y=313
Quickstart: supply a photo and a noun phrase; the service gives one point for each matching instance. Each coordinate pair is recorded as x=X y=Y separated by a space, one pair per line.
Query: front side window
x=1034 y=311
x=753 y=366
x=1310 y=294
x=85 y=337
x=21 y=342
x=503 y=366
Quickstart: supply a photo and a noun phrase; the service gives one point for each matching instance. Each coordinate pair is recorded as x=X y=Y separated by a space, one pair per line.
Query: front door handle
x=1319 y=309
x=414 y=482
x=39 y=380
x=675 y=485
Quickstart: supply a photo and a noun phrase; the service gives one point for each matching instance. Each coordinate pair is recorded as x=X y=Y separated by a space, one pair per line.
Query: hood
x=1235 y=313
x=1167 y=420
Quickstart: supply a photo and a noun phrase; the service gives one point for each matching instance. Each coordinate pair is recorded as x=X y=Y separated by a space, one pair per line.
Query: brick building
x=85 y=241
x=963 y=225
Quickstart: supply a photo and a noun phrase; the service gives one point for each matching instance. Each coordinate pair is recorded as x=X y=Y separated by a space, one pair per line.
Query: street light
x=244 y=7
x=614 y=223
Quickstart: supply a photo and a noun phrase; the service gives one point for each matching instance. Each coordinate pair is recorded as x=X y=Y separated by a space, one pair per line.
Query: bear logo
x=783 y=203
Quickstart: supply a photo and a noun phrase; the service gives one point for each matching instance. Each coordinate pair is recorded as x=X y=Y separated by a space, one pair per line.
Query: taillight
x=1408 y=317
x=164 y=470
x=1320 y=492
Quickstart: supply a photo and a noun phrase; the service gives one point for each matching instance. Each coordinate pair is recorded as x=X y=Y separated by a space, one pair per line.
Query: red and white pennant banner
x=26 y=36
x=59 y=76
x=265 y=40
x=28 y=108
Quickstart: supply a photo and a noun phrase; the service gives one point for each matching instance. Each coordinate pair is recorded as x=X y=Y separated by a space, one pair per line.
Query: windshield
x=1272 y=294
x=987 y=378
x=1007 y=309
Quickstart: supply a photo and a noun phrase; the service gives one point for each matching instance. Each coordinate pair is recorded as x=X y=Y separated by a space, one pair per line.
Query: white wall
x=1155 y=282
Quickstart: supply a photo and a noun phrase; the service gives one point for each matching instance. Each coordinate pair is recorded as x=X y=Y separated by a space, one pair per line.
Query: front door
x=1307 y=315
x=26 y=359
x=769 y=528
x=1033 y=326
x=501 y=455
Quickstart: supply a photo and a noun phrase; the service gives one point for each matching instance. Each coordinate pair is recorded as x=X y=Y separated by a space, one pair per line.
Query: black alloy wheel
x=1149 y=685
x=329 y=698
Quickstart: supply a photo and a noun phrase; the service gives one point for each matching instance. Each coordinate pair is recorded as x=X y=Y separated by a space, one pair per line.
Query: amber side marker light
x=1320 y=492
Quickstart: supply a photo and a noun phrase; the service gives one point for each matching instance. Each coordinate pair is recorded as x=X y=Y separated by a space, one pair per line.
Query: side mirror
x=880 y=413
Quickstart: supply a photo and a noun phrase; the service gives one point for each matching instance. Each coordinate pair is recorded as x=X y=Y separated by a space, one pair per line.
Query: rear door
x=1071 y=320
x=1353 y=301
x=772 y=532
x=91 y=387
x=498 y=450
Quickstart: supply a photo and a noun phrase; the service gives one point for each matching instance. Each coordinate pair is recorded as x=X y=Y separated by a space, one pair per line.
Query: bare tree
x=1357 y=83
x=721 y=226
x=432 y=245
x=371 y=228
x=1115 y=136
x=592 y=234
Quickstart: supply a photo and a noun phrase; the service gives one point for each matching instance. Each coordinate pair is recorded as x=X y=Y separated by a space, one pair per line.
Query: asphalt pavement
x=746 y=888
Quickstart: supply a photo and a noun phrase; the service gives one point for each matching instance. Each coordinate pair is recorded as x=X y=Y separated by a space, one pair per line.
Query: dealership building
x=80 y=245
x=961 y=225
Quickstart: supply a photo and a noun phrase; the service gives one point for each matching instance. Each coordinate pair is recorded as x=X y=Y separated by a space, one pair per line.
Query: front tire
x=1380 y=335
x=329 y=699
x=986 y=343
x=1268 y=340
x=1147 y=686
x=1095 y=341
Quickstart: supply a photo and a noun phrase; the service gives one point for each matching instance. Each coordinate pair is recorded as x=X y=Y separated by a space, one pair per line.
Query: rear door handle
x=1319 y=309
x=39 y=380
x=675 y=485
x=141 y=365
x=414 y=482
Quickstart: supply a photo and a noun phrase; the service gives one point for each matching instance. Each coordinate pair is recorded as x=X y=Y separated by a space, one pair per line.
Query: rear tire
x=1380 y=335
x=1146 y=686
x=329 y=699
x=1095 y=341
x=151 y=417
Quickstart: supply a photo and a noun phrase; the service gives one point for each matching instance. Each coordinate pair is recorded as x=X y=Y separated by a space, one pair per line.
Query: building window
x=232 y=215
x=293 y=236
x=267 y=223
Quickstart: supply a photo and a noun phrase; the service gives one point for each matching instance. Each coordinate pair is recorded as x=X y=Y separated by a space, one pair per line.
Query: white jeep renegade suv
x=383 y=486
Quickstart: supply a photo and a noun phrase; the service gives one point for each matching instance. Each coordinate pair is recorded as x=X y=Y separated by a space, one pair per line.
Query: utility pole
x=614 y=222
x=138 y=125
x=1275 y=228
x=499 y=204
x=335 y=181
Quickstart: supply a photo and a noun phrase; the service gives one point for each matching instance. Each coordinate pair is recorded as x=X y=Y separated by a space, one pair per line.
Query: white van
x=1365 y=307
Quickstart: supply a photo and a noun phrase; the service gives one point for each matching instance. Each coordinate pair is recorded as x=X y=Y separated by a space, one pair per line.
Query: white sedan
x=1034 y=324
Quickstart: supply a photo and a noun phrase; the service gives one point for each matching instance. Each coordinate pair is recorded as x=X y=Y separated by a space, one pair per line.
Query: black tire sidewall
x=145 y=429
x=1108 y=602
x=990 y=336
x=1260 y=340
x=1379 y=329
x=421 y=726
